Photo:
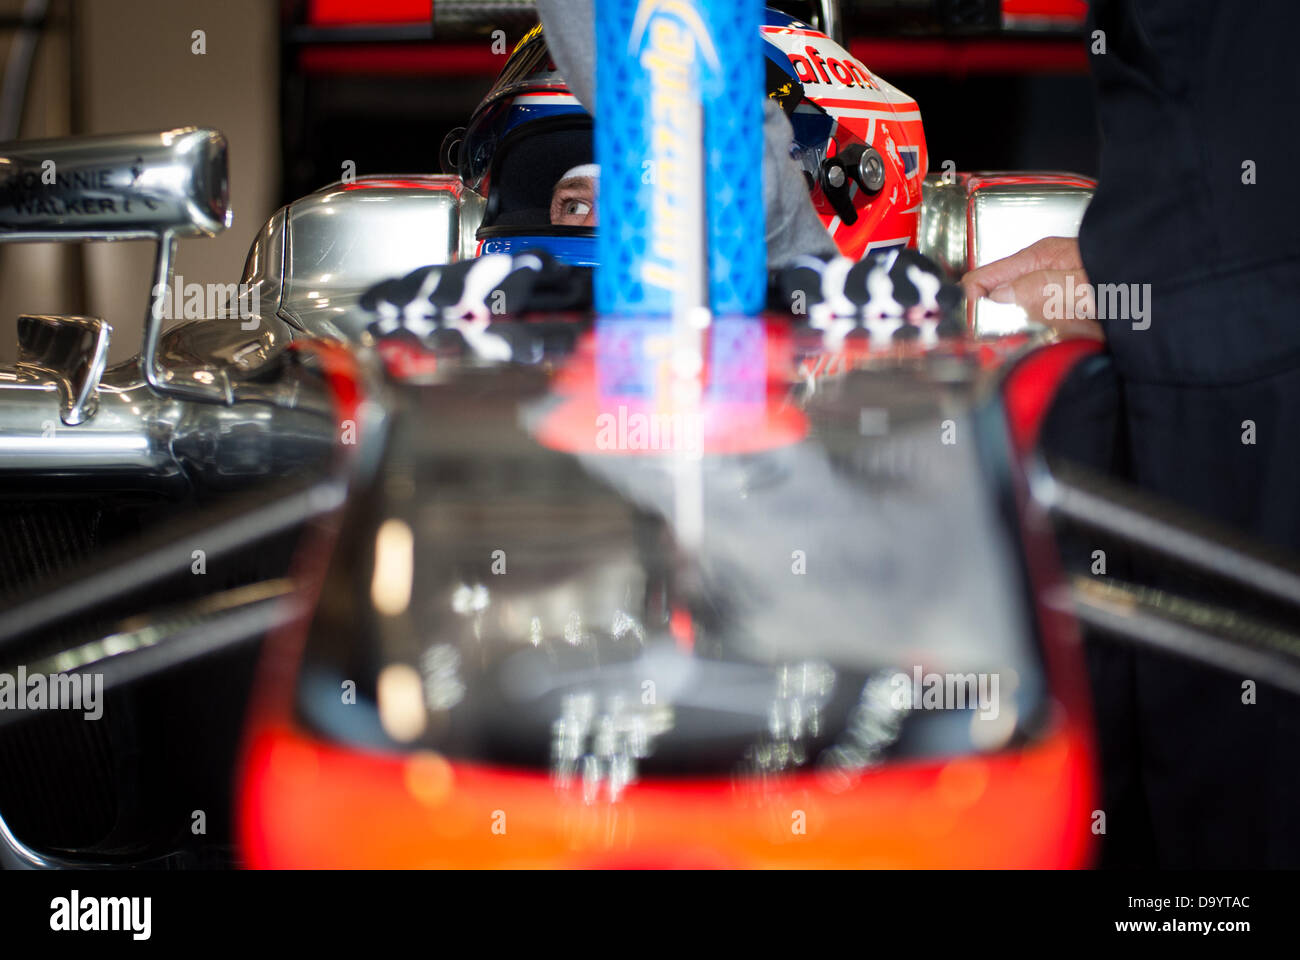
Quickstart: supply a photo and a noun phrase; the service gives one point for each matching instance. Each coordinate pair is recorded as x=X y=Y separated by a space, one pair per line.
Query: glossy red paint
x=307 y=803
x=1032 y=383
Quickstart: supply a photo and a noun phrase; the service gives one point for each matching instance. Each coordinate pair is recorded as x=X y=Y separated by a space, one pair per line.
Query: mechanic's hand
x=1049 y=270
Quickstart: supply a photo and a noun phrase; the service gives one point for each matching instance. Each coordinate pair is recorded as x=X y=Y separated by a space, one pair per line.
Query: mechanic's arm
x=1030 y=277
x=793 y=227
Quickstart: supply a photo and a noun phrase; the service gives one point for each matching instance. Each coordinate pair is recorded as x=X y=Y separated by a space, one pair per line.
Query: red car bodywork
x=307 y=802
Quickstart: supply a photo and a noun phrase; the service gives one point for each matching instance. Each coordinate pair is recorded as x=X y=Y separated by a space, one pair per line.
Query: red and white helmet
x=859 y=139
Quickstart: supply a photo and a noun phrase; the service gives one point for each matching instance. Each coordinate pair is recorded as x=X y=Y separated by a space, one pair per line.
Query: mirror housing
x=117 y=187
x=136 y=186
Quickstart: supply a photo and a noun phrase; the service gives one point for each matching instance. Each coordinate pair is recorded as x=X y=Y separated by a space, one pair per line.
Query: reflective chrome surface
x=273 y=420
x=942 y=235
x=970 y=219
x=72 y=352
x=345 y=238
x=264 y=267
x=115 y=187
x=16 y=855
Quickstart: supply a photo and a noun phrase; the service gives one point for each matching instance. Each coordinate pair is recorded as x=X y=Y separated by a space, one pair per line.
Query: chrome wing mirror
x=146 y=186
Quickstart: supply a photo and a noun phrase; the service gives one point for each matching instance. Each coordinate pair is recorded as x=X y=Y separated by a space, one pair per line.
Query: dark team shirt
x=1196 y=99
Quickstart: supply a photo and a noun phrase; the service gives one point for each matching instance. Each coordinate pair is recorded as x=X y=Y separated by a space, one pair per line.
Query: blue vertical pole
x=733 y=142
x=680 y=142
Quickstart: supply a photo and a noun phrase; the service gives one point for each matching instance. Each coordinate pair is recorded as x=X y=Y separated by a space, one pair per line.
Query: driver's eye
x=573 y=202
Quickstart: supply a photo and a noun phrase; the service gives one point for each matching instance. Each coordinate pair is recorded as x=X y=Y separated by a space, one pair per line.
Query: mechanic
x=793 y=227
x=1196 y=100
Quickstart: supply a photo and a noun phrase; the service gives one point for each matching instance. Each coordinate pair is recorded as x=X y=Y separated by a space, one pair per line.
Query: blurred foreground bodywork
x=502 y=719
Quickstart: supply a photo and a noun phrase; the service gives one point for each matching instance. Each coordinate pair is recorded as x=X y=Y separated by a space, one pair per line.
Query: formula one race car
x=369 y=573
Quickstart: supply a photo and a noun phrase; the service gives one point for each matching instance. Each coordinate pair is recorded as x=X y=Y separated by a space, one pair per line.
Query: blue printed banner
x=680 y=141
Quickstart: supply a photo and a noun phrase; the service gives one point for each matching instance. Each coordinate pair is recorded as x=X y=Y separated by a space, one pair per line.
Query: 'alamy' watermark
x=53 y=691
x=75 y=914
x=208 y=301
x=634 y=430
x=945 y=691
x=1103 y=301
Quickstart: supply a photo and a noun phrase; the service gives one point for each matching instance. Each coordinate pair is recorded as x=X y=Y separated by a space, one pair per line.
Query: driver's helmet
x=859 y=140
